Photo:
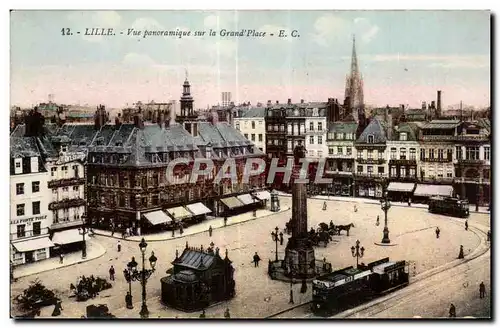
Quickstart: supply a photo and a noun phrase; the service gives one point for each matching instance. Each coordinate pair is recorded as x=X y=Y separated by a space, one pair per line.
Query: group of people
x=482 y=294
x=87 y=285
x=127 y=232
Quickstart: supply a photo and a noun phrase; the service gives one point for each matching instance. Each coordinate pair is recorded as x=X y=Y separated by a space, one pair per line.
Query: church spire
x=354 y=58
x=354 y=101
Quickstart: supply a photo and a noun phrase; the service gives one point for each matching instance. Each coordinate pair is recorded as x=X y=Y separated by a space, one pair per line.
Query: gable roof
x=343 y=127
x=375 y=128
x=23 y=147
x=411 y=133
x=194 y=258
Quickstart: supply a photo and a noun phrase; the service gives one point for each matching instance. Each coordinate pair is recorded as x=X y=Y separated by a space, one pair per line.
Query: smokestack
x=424 y=105
x=439 y=102
x=277 y=102
x=289 y=101
x=301 y=101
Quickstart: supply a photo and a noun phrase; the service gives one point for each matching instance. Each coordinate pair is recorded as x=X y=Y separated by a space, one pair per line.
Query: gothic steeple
x=354 y=87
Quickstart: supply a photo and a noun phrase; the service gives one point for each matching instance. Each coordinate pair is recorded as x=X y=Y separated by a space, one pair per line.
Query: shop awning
x=67 y=237
x=179 y=213
x=232 y=202
x=263 y=195
x=32 y=244
x=433 y=190
x=246 y=199
x=401 y=186
x=198 y=209
x=157 y=217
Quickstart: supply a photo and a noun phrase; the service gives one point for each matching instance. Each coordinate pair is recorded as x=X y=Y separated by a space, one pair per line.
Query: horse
x=322 y=236
x=323 y=226
x=344 y=227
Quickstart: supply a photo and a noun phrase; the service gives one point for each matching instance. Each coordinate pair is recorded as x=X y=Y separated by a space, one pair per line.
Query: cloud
x=365 y=29
x=327 y=27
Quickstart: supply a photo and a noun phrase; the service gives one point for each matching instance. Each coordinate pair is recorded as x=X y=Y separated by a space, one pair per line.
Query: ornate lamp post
x=83 y=231
x=357 y=252
x=385 y=204
x=128 y=273
x=275 y=237
x=132 y=274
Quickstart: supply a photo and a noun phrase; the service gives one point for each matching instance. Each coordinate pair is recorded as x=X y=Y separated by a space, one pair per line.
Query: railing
x=437 y=138
x=65 y=182
x=371 y=161
x=403 y=161
x=66 y=203
x=28 y=234
x=337 y=172
x=437 y=160
x=472 y=138
x=481 y=138
x=371 y=175
x=66 y=224
x=471 y=161
x=341 y=156
x=437 y=180
x=471 y=180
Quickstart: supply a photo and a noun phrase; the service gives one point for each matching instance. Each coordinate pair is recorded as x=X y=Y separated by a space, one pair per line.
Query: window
x=76 y=188
x=311 y=140
x=402 y=136
x=320 y=140
x=340 y=136
x=19 y=188
x=320 y=153
x=260 y=137
x=449 y=175
x=431 y=153
x=311 y=126
x=413 y=154
x=121 y=201
x=37 y=228
x=290 y=145
x=370 y=169
x=253 y=136
x=380 y=155
x=402 y=153
x=35 y=186
x=472 y=153
x=320 y=126
x=422 y=154
x=380 y=170
x=330 y=150
x=449 y=154
x=312 y=153
x=394 y=171
x=440 y=153
x=360 y=169
x=340 y=150
x=246 y=135
x=360 y=154
x=403 y=171
x=393 y=153
x=155 y=200
x=413 y=172
x=18 y=165
x=36 y=208
x=53 y=171
x=458 y=150
x=370 y=153
x=370 y=138
x=349 y=151
x=20 y=209
x=487 y=153
x=21 y=230
x=253 y=124
x=237 y=125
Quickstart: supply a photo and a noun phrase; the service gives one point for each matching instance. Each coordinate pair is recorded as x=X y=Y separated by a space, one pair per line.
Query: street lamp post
x=83 y=231
x=276 y=238
x=357 y=252
x=385 y=205
x=132 y=274
x=128 y=273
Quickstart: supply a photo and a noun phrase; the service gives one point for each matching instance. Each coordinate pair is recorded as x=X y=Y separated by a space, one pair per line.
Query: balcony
x=66 y=224
x=438 y=138
x=436 y=180
x=340 y=173
x=471 y=180
x=28 y=234
x=471 y=161
x=341 y=156
x=274 y=132
x=371 y=175
x=475 y=138
x=437 y=160
x=67 y=203
x=65 y=182
x=371 y=161
x=406 y=178
x=403 y=162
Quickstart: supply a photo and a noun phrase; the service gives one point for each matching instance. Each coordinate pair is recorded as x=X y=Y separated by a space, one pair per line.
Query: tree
x=36 y=296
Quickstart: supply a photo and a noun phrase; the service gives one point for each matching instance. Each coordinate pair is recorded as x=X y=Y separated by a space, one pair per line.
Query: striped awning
x=157 y=217
x=433 y=190
x=32 y=244
x=198 y=209
x=232 y=202
x=401 y=186
x=246 y=199
x=179 y=213
x=263 y=195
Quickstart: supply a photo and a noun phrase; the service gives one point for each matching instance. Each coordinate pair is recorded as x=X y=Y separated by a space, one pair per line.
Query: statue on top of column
x=299 y=152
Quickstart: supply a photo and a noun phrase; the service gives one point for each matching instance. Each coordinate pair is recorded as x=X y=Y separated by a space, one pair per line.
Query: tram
x=348 y=287
x=449 y=206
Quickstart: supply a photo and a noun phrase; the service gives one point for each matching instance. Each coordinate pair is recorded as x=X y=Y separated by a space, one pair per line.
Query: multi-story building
x=340 y=159
x=316 y=130
x=403 y=151
x=251 y=123
x=295 y=126
x=371 y=162
x=30 y=218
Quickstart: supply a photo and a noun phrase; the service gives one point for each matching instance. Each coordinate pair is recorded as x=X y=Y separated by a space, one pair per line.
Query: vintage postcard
x=250 y=164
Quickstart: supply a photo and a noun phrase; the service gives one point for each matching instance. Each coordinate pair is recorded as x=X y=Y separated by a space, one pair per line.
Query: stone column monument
x=299 y=260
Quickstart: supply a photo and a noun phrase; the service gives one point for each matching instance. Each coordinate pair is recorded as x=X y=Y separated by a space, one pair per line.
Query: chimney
x=118 y=121
x=424 y=105
x=289 y=101
x=269 y=103
x=433 y=104
x=439 y=103
x=138 y=122
x=301 y=101
x=161 y=118
x=277 y=102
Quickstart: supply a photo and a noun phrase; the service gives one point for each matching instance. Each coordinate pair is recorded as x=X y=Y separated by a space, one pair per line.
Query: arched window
x=370 y=138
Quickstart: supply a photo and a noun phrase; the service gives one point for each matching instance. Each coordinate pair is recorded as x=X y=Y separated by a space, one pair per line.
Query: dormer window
x=370 y=138
x=403 y=136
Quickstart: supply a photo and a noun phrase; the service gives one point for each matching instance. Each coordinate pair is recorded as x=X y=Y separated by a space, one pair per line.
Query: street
x=257 y=296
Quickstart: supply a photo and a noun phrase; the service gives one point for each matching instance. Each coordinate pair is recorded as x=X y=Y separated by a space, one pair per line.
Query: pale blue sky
x=404 y=56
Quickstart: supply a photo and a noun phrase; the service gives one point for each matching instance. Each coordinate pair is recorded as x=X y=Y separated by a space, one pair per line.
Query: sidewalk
x=94 y=251
x=216 y=223
x=482 y=209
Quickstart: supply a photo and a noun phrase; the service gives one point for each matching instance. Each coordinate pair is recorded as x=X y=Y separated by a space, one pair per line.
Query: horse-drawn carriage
x=324 y=232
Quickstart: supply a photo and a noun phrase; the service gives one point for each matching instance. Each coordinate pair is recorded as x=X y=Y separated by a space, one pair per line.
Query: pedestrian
x=355 y=208
x=453 y=311
x=281 y=238
x=119 y=246
x=128 y=301
x=225 y=221
x=210 y=231
x=112 y=273
x=112 y=229
x=181 y=231
x=254 y=213
x=409 y=201
x=256 y=259
x=461 y=253
x=61 y=258
x=202 y=315
x=466 y=225
x=482 y=290
x=127 y=232
x=437 y=232
x=324 y=205
x=227 y=315
x=488 y=236
x=57 y=309
x=378 y=221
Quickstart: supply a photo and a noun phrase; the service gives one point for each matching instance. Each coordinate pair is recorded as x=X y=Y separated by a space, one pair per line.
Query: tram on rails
x=348 y=287
x=449 y=206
